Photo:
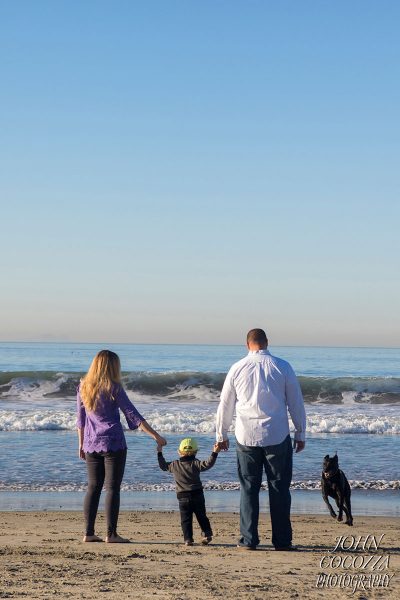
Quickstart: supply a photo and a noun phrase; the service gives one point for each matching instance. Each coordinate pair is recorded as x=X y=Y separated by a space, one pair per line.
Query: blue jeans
x=277 y=462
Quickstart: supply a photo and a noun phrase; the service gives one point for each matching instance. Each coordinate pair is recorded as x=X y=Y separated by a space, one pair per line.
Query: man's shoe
x=289 y=548
x=243 y=547
x=189 y=542
x=206 y=540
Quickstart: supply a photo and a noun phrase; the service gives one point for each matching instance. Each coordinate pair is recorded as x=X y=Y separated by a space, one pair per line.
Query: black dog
x=334 y=484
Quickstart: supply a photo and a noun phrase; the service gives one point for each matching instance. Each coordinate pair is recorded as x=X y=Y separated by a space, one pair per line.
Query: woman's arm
x=132 y=415
x=81 y=453
x=80 y=424
x=144 y=426
x=135 y=419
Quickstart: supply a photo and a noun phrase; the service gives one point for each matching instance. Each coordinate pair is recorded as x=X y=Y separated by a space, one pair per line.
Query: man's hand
x=298 y=446
x=81 y=453
x=222 y=445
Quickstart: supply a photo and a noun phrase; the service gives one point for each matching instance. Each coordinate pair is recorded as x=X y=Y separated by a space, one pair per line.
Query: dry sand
x=42 y=556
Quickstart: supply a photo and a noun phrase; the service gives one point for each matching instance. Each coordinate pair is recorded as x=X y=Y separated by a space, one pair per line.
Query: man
x=262 y=388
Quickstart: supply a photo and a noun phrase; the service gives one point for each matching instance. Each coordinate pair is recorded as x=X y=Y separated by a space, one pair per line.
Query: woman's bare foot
x=117 y=539
x=92 y=538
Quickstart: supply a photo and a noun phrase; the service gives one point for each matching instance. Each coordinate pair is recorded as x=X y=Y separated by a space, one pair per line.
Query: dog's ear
x=336 y=458
x=326 y=457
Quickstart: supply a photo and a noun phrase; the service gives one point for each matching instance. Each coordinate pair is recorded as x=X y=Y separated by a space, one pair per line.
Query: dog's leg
x=332 y=512
x=346 y=499
x=347 y=510
x=340 y=501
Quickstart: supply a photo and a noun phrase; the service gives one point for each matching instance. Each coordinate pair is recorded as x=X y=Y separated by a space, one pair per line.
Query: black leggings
x=103 y=467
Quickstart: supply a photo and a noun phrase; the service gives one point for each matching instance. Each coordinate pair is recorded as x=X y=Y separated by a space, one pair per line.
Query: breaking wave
x=194 y=386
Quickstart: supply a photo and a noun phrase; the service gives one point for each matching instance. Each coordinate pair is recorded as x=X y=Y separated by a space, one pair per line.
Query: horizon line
x=192 y=344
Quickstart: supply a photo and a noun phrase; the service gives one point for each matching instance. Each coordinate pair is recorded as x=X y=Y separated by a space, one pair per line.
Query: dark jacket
x=186 y=470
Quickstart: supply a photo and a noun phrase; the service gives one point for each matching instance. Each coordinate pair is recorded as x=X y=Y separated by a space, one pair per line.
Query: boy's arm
x=162 y=463
x=204 y=465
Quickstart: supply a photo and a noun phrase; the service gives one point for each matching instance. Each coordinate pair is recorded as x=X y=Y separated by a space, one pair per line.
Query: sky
x=182 y=171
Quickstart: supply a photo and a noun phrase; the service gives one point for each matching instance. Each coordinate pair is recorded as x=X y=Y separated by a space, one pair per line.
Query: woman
x=101 y=439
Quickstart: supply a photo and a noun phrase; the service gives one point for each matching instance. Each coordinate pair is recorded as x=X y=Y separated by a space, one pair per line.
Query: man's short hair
x=257 y=336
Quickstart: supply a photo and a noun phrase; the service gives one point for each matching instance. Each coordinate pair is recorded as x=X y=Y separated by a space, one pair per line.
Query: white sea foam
x=187 y=418
x=310 y=485
x=37 y=420
x=354 y=423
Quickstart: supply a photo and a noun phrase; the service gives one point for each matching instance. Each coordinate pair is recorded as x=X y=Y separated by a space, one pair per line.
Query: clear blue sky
x=181 y=171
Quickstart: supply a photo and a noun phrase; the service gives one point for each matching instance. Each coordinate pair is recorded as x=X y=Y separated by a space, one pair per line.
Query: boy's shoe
x=206 y=540
x=189 y=542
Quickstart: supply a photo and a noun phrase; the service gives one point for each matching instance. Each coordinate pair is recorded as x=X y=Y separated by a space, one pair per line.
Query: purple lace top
x=103 y=428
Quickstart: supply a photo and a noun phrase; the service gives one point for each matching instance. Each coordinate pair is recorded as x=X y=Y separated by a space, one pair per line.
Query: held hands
x=222 y=446
x=216 y=448
x=160 y=443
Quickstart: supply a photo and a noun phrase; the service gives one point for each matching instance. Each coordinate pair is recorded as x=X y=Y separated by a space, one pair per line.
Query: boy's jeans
x=189 y=503
x=277 y=462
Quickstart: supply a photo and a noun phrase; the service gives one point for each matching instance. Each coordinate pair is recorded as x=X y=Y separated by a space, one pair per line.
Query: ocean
x=352 y=398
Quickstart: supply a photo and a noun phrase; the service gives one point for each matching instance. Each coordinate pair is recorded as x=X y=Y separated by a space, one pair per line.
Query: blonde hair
x=103 y=373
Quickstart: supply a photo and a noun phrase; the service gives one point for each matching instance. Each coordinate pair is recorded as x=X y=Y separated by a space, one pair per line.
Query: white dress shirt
x=262 y=388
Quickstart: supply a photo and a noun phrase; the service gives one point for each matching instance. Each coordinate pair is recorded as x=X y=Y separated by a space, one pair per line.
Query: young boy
x=189 y=489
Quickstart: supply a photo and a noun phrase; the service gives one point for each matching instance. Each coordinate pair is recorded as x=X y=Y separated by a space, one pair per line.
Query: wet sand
x=42 y=556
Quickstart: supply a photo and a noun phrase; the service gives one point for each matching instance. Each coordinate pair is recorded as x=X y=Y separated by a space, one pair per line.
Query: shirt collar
x=264 y=351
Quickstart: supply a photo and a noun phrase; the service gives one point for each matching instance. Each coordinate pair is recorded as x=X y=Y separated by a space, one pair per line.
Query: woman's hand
x=144 y=426
x=81 y=435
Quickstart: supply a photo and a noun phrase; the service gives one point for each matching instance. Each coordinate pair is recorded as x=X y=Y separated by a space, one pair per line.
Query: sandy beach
x=42 y=556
